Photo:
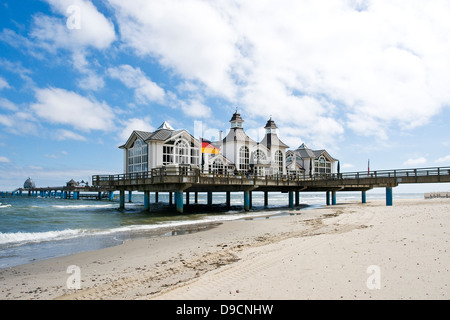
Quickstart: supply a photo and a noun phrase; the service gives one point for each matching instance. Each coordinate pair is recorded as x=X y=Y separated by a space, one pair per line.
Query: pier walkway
x=180 y=179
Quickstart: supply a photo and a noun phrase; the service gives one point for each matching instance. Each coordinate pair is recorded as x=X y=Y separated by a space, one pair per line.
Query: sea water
x=35 y=228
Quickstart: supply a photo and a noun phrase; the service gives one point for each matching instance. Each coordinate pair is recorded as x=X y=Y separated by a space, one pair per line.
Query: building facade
x=308 y=163
x=236 y=154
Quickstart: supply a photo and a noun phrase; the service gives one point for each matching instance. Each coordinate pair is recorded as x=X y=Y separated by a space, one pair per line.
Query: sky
x=363 y=79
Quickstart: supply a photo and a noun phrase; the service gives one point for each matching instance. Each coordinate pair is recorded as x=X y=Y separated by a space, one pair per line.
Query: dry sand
x=338 y=252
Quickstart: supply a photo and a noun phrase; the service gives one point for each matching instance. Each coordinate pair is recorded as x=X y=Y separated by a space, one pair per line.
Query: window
x=322 y=165
x=167 y=154
x=244 y=159
x=217 y=166
x=195 y=154
x=138 y=157
x=279 y=161
x=258 y=155
x=182 y=153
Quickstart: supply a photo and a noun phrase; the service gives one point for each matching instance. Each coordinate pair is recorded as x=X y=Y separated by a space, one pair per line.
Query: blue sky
x=363 y=79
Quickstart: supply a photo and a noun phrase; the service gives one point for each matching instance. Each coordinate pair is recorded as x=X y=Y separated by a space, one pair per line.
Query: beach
x=347 y=251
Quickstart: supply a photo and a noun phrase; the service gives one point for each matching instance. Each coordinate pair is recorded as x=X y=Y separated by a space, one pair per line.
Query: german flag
x=207 y=147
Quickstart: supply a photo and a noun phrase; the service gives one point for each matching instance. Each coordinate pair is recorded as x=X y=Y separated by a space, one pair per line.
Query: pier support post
x=266 y=198
x=364 y=197
x=130 y=196
x=111 y=196
x=179 y=201
x=122 y=199
x=228 y=197
x=389 y=196
x=251 y=199
x=170 y=198
x=297 y=198
x=147 y=200
x=333 y=198
x=291 y=199
x=196 y=198
x=328 y=198
x=156 y=197
x=99 y=195
x=210 y=198
x=247 y=200
x=187 y=198
x=76 y=195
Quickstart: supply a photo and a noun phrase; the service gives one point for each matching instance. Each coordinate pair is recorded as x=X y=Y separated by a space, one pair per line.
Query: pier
x=75 y=193
x=186 y=179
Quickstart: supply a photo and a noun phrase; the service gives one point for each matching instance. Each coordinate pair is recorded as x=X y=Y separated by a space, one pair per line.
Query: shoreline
x=323 y=254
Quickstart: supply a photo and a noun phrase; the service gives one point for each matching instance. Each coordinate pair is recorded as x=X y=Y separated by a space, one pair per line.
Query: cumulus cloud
x=189 y=36
x=93 y=30
x=145 y=89
x=4 y=84
x=4 y=159
x=64 y=107
x=135 y=124
x=320 y=66
x=63 y=134
x=445 y=159
x=80 y=28
x=415 y=161
x=195 y=109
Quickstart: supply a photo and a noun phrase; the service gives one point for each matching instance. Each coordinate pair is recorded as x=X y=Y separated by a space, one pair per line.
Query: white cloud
x=63 y=134
x=135 y=124
x=65 y=107
x=4 y=159
x=53 y=33
x=189 y=36
x=322 y=67
x=145 y=90
x=195 y=109
x=443 y=159
x=4 y=84
x=8 y=105
x=415 y=162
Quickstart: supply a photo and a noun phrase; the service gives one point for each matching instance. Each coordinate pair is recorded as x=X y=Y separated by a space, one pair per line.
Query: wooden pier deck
x=185 y=179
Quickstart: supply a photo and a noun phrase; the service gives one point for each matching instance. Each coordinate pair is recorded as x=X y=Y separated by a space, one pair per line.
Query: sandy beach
x=347 y=251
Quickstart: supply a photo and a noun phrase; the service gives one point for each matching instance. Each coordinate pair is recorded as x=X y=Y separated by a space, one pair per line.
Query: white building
x=147 y=150
x=306 y=162
x=237 y=153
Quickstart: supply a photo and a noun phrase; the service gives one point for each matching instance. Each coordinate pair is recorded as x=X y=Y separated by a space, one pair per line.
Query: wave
x=26 y=237
x=5 y=205
x=84 y=206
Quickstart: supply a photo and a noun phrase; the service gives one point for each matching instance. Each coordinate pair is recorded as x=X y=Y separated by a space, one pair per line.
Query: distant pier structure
x=72 y=190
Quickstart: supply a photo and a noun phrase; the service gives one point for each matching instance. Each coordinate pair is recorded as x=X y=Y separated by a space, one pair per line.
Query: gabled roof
x=213 y=158
x=163 y=133
x=318 y=153
x=274 y=141
x=238 y=134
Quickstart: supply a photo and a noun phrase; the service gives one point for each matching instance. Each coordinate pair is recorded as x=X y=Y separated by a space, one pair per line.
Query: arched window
x=244 y=159
x=279 y=161
x=182 y=153
x=322 y=165
x=258 y=155
x=138 y=157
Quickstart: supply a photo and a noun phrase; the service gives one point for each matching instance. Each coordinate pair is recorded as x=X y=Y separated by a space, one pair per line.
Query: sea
x=38 y=228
